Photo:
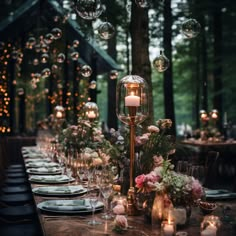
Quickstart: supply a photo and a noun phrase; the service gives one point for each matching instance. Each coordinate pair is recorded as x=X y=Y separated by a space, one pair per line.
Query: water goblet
x=93 y=200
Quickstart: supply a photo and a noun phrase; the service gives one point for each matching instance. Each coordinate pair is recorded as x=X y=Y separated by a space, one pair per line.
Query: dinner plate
x=60 y=190
x=42 y=164
x=44 y=171
x=35 y=160
x=50 y=179
x=69 y=206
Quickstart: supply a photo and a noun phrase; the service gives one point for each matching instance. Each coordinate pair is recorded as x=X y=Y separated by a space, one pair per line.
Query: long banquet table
x=54 y=224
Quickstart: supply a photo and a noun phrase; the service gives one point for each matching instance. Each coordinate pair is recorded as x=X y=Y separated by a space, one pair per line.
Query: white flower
x=121 y=222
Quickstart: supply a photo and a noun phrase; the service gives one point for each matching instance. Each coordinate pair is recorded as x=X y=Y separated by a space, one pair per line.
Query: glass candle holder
x=91 y=111
x=119 y=205
x=168 y=228
x=210 y=225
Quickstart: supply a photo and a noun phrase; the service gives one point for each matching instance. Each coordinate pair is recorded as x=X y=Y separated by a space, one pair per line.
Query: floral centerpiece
x=157 y=173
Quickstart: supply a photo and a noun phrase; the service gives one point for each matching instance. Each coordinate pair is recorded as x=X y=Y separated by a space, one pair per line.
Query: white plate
x=44 y=171
x=42 y=164
x=60 y=191
x=35 y=160
x=66 y=206
x=50 y=179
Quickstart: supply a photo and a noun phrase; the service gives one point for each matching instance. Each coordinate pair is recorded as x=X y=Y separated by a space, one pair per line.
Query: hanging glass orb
x=56 y=18
x=36 y=77
x=61 y=58
x=93 y=84
x=89 y=9
x=44 y=58
x=46 y=73
x=2 y=45
x=142 y=3
x=35 y=61
x=14 y=54
x=37 y=48
x=161 y=62
x=75 y=43
x=74 y=56
x=114 y=74
x=86 y=71
x=106 y=30
x=91 y=111
x=32 y=41
x=54 y=68
x=48 y=39
x=57 y=33
x=190 y=28
x=59 y=112
x=44 y=48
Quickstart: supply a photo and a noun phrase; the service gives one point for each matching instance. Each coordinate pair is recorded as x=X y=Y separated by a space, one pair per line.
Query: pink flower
x=140 y=180
x=119 y=209
x=121 y=222
x=153 y=129
x=197 y=190
x=152 y=177
x=158 y=160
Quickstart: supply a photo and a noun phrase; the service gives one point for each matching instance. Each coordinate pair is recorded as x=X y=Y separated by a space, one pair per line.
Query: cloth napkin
x=219 y=194
x=59 y=190
x=45 y=170
x=66 y=206
x=42 y=164
x=50 y=178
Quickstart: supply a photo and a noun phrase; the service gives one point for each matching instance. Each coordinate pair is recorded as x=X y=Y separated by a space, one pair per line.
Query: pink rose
x=151 y=177
x=153 y=129
x=121 y=222
x=196 y=189
x=119 y=209
x=139 y=180
x=158 y=160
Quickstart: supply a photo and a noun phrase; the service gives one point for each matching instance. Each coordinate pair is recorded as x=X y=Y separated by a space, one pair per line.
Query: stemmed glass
x=93 y=200
x=106 y=183
x=198 y=172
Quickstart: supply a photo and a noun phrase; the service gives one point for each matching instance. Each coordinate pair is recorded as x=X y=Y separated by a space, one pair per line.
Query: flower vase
x=182 y=214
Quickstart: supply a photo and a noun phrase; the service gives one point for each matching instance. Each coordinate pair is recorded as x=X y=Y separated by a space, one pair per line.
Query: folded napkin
x=59 y=190
x=50 y=178
x=66 y=206
x=219 y=194
x=45 y=170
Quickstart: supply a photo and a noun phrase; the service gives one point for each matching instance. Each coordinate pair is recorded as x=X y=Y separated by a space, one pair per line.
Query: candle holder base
x=131 y=209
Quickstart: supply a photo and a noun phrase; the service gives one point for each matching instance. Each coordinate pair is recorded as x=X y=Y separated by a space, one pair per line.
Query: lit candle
x=168 y=228
x=132 y=101
x=91 y=114
x=59 y=114
x=209 y=231
x=214 y=116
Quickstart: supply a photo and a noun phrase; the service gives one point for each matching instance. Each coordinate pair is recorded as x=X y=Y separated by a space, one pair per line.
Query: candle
x=209 y=231
x=132 y=101
x=225 y=118
x=59 y=114
x=91 y=114
x=168 y=228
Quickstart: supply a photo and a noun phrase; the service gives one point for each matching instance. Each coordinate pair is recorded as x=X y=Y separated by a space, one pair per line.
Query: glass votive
x=119 y=205
x=210 y=225
x=168 y=228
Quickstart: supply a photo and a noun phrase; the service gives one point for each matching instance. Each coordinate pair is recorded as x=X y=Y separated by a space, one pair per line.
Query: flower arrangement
x=180 y=189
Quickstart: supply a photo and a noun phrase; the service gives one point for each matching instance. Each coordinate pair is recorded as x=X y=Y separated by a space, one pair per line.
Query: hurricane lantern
x=91 y=111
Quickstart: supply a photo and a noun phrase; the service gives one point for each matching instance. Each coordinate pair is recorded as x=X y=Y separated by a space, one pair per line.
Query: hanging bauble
x=161 y=62
x=14 y=54
x=37 y=47
x=61 y=58
x=57 y=33
x=44 y=58
x=46 y=73
x=48 y=39
x=44 y=48
x=75 y=43
x=2 y=45
x=106 y=30
x=36 y=77
x=35 y=61
x=142 y=3
x=32 y=41
x=54 y=68
x=86 y=71
x=114 y=74
x=93 y=84
x=190 y=28
x=74 y=56
x=89 y=9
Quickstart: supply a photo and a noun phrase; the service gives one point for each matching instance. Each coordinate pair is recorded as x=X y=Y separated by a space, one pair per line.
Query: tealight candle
x=168 y=228
x=91 y=115
x=210 y=225
x=59 y=114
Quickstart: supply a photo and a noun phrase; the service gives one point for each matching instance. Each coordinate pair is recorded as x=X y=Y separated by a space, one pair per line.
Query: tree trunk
x=140 y=54
x=217 y=71
x=168 y=74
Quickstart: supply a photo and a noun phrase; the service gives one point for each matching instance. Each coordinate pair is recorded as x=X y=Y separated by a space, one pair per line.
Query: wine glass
x=182 y=167
x=198 y=172
x=106 y=188
x=93 y=200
